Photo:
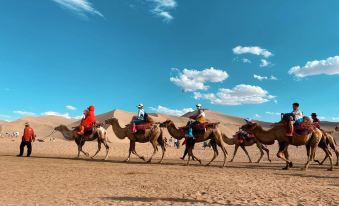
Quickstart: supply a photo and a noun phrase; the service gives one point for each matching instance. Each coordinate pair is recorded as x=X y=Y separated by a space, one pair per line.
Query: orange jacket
x=89 y=119
x=28 y=135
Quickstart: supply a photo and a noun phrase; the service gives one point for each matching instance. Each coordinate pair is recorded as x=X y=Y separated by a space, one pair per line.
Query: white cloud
x=66 y=115
x=80 y=7
x=335 y=118
x=273 y=77
x=273 y=113
x=24 y=113
x=51 y=113
x=70 y=107
x=193 y=80
x=329 y=66
x=260 y=78
x=162 y=8
x=264 y=63
x=252 y=50
x=240 y=94
x=173 y=112
x=257 y=116
x=246 y=61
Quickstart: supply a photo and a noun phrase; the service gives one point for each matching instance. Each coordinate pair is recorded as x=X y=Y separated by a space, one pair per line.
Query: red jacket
x=89 y=119
x=28 y=135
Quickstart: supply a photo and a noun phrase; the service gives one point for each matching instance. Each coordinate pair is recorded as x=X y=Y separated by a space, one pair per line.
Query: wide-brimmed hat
x=140 y=106
x=198 y=106
x=314 y=114
x=26 y=123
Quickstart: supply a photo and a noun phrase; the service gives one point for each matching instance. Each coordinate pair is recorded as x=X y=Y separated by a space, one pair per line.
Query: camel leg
x=243 y=148
x=129 y=151
x=155 y=149
x=163 y=149
x=215 y=150
x=324 y=146
x=107 y=149
x=235 y=152
x=333 y=146
x=190 y=143
x=281 y=154
x=98 y=150
x=261 y=151
x=267 y=152
x=80 y=148
x=311 y=156
x=135 y=152
x=225 y=153
x=325 y=158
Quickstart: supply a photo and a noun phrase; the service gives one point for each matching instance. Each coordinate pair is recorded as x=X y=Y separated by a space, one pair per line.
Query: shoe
x=182 y=158
x=19 y=155
x=28 y=155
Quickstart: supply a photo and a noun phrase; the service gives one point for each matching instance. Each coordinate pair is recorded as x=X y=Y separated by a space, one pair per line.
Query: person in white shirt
x=140 y=118
x=296 y=117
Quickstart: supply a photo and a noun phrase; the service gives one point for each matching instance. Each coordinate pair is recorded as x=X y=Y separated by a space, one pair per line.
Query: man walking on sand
x=27 y=139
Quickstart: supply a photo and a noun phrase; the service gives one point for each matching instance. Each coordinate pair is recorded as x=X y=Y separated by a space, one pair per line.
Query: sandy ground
x=53 y=177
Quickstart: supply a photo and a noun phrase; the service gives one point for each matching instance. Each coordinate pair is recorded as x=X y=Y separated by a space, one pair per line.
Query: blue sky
x=245 y=58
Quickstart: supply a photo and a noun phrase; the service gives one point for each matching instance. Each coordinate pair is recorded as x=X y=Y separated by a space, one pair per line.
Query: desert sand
x=52 y=176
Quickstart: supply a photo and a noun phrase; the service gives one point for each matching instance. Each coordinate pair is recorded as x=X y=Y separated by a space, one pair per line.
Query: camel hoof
x=290 y=164
x=143 y=158
x=270 y=161
x=257 y=162
x=330 y=169
x=285 y=168
x=149 y=161
x=126 y=160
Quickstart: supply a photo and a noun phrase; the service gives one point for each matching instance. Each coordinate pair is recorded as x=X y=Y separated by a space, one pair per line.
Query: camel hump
x=212 y=125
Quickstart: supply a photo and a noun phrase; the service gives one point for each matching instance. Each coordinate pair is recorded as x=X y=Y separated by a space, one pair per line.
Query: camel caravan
x=293 y=129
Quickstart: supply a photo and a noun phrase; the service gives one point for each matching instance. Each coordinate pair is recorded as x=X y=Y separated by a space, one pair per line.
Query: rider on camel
x=316 y=121
x=140 y=118
x=199 y=117
x=295 y=117
x=88 y=121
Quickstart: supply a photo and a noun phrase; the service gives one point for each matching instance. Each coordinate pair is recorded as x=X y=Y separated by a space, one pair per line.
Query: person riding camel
x=295 y=117
x=316 y=121
x=199 y=117
x=88 y=121
x=140 y=118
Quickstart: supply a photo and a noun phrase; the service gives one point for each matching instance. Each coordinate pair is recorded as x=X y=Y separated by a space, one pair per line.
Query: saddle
x=143 y=126
x=244 y=137
x=201 y=127
x=304 y=128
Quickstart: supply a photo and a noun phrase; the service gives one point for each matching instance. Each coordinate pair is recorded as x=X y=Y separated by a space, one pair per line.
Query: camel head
x=249 y=127
x=111 y=121
x=61 y=128
x=166 y=123
x=337 y=128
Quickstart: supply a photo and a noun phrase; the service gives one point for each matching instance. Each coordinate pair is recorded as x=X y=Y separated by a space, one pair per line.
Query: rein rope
x=48 y=135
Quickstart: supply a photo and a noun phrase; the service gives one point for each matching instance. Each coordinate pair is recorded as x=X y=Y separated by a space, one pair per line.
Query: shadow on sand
x=173 y=162
x=155 y=199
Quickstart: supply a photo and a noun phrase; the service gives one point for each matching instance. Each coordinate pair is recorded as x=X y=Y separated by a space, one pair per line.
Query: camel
x=330 y=141
x=213 y=134
x=247 y=142
x=153 y=135
x=99 y=133
x=278 y=132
